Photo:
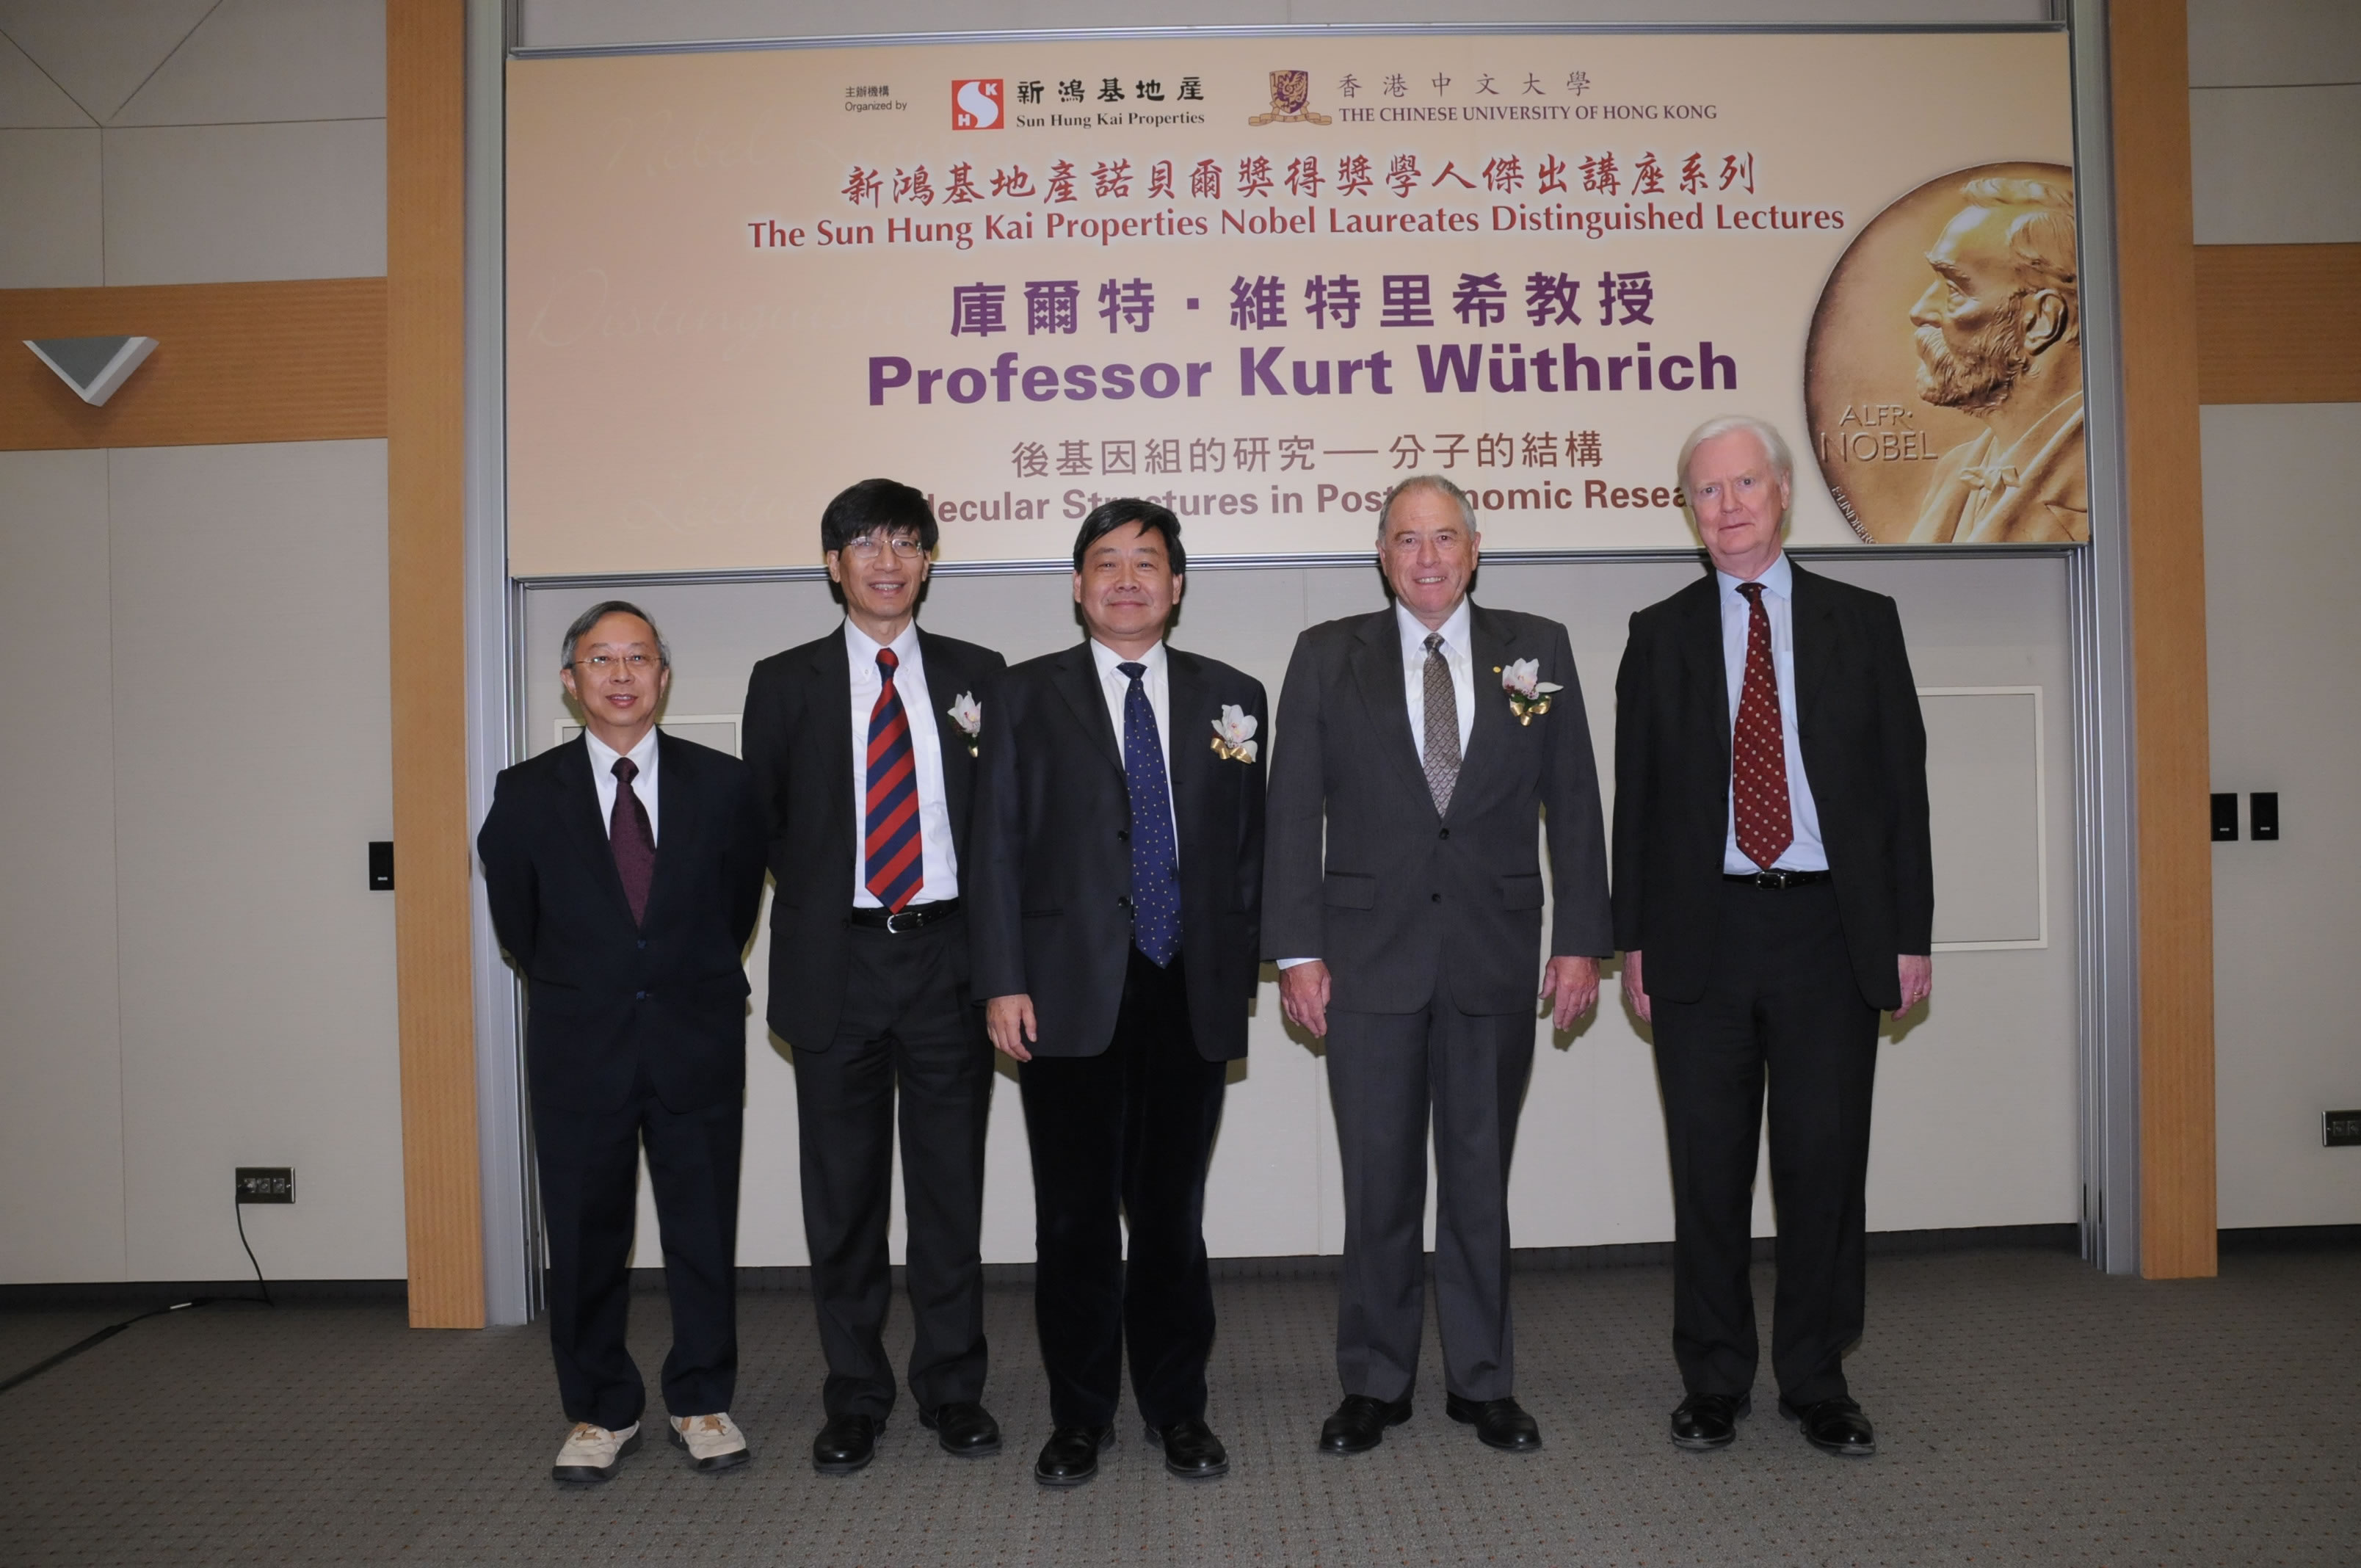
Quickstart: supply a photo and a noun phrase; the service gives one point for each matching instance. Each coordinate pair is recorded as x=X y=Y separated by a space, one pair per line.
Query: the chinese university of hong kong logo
x=975 y=105
x=1289 y=91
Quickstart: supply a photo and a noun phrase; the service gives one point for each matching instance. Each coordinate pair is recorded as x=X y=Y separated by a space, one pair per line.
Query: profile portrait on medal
x=1943 y=376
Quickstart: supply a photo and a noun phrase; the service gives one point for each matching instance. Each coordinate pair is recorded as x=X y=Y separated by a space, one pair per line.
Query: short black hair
x=1122 y=513
x=881 y=507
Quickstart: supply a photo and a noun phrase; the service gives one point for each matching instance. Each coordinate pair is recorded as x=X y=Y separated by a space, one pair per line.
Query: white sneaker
x=714 y=1442
x=593 y=1454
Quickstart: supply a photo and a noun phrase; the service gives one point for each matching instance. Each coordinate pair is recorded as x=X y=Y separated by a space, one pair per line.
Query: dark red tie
x=1758 y=763
x=633 y=842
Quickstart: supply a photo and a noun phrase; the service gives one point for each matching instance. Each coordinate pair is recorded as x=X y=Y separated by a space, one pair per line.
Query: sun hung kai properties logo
x=976 y=106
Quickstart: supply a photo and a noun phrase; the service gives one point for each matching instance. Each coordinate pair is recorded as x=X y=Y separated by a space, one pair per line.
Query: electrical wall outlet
x=2340 y=1128
x=266 y=1184
x=2225 y=817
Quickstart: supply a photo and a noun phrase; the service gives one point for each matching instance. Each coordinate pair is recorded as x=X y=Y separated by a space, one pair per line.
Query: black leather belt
x=902 y=922
x=1778 y=879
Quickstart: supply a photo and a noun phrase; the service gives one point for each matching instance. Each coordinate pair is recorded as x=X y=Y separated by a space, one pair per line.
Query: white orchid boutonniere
x=967 y=714
x=1529 y=695
x=1233 y=739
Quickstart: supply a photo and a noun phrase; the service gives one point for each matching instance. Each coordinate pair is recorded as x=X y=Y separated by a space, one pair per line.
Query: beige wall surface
x=1976 y=1108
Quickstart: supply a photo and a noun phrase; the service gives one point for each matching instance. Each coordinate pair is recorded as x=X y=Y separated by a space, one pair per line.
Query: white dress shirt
x=1117 y=687
x=939 y=867
x=1778 y=580
x=1458 y=654
x=643 y=784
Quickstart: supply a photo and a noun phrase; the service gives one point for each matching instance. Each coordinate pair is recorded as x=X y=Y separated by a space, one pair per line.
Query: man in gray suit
x=1435 y=740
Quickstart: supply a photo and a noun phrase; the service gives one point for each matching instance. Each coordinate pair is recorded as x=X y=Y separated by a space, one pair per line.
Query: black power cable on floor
x=108 y=1332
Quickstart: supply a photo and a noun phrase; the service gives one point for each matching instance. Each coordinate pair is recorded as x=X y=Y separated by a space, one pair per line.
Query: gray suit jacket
x=1400 y=899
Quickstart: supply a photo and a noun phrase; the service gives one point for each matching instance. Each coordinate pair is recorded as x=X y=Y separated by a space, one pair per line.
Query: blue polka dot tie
x=1155 y=859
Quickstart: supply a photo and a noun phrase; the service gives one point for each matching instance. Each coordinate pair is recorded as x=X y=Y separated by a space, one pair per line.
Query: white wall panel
x=2274 y=165
x=50 y=233
x=233 y=203
x=2277 y=43
x=60 y=1053
x=270 y=59
x=252 y=769
x=28 y=98
x=100 y=51
x=2282 y=557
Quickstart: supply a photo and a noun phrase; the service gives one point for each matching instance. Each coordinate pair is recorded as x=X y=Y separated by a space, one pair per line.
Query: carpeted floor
x=2029 y=1409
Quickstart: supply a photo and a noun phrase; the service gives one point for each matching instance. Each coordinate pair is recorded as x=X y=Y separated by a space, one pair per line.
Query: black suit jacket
x=1864 y=751
x=1053 y=866
x=798 y=739
x=608 y=996
x=1404 y=898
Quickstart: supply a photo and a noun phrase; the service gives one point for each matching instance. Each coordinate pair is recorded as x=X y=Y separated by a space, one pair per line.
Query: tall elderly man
x=862 y=746
x=625 y=870
x=1424 y=751
x=1773 y=892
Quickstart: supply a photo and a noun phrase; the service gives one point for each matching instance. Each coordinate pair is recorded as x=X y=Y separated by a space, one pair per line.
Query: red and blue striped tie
x=893 y=863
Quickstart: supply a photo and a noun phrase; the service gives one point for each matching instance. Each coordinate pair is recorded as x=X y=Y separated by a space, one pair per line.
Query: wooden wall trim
x=425 y=471
x=2157 y=272
x=2278 y=323
x=302 y=360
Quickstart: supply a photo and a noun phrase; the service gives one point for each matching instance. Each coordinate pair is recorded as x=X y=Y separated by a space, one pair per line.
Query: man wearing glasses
x=624 y=872
x=863 y=748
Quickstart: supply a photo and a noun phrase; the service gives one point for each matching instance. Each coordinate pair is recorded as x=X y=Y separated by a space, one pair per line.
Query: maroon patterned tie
x=1758 y=763
x=632 y=839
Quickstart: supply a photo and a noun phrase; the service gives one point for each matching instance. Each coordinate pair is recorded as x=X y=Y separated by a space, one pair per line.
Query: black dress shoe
x=962 y=1427
x=1499 y=1423
x=1708 y=1420
x=1360 y=1423
x=1072 y=1455
x=1834 y=1426
x=1190 y=1450
x=846 y=1444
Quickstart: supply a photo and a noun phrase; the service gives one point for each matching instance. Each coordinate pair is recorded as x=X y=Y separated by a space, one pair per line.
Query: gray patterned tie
x=1442 y=726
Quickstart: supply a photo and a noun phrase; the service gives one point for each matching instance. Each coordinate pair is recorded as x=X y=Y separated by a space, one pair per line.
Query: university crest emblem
x=1289 y=91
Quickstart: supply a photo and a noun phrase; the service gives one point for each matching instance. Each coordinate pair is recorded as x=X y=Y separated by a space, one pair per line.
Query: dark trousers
x=1387 y=1073
x=589 y=1193
x=1783 y=1001
x=908 y=1034
x=1128 y=1132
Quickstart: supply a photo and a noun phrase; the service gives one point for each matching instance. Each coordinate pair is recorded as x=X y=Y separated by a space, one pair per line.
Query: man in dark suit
x=1431 y=742
x=1773 y=892
x=1118 y=879
x=862 y=744
x=624 y=870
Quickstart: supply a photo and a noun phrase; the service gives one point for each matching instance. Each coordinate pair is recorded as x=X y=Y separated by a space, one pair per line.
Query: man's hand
x=1917 y=970
x=1303 y=997
x=1571 y=985
x=1635 y=989
x=1009 y=1021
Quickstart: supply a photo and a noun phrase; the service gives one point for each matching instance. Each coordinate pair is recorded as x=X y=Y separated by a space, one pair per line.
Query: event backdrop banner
x=1261 y=278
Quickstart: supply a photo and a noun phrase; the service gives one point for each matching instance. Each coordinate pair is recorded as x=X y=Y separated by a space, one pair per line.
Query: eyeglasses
x=613 y=663
x=905 y=547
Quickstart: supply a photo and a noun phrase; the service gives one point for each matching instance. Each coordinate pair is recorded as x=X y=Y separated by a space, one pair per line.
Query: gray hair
x=1774 y=445
x=1436 y=484
x=600 y=611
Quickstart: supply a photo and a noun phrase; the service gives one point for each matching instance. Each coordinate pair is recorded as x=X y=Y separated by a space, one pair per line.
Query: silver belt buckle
x=1772 y=878
x=893 y=921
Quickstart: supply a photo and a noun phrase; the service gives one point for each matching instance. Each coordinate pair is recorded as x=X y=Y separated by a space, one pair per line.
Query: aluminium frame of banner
x=2097 y=582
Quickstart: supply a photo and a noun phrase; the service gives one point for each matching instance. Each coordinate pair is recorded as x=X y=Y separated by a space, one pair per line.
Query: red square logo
x=975 y=105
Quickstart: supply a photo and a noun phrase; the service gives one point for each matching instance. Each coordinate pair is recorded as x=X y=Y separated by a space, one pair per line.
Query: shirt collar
x=1778 y=580
x=643 y=755
x=863 y=649
x=1106 y=659
x=1454 y=630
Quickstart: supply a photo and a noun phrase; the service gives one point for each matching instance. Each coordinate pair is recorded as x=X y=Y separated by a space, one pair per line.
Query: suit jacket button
x=1123 y=833
x=1435 y=896
x=1444 y=834
x=644 y=941
x=640 y=996
x=1123 y=901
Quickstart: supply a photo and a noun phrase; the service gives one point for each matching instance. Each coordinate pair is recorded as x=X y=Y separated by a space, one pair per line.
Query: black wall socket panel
x=380 y=865
x=266 y=1184
x=2339 y=1129
x=2263 y=815
x=2225 y=817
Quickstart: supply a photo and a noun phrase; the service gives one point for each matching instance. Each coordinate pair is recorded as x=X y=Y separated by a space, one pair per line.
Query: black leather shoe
x=1190 y=1450
x=1360 y=1423
x=1072 y=1455
x=1499 y=1423
x=1710 y=1420
x=846 y=1444
x=962 y=1427
x=1834 y=1426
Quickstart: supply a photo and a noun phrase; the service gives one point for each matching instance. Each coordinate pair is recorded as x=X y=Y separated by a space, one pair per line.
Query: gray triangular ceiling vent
x=92 y=366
